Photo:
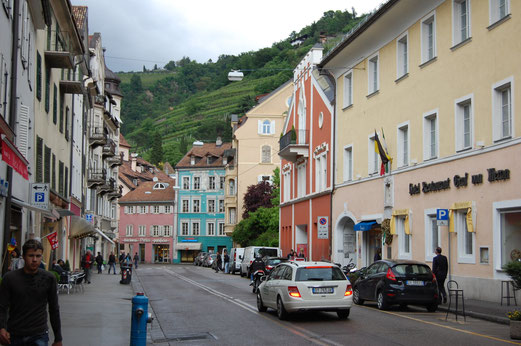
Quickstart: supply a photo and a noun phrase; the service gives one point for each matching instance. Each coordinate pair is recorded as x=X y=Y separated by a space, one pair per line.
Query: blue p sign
x=39 y=197
x=442 y=214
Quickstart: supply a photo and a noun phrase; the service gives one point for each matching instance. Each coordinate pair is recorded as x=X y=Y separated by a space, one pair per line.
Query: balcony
x=105 y=187
x=97 y=137
x=72 y=87
x=58 y=51
x=96 y=177
x=294 y=145
x=109 y=149
x=116 y=160
x=115 y=190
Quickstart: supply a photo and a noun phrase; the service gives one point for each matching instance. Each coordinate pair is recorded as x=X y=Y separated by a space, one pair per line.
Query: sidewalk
x=490 y=311
x=99 y=316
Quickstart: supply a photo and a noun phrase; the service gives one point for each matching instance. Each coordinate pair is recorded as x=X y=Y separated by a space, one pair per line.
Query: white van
x=252 y=251
x=236 y=254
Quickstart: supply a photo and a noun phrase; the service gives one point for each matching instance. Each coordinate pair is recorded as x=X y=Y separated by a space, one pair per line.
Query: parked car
x=236 y=253
x=305 y=286
x=198 y=261
x=272 y=262
x=253 y=251
x=209 y=259
x=401 y=282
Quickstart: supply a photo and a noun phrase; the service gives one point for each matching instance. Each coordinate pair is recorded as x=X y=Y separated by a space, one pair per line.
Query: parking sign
x=442 y=217
x=40 y=195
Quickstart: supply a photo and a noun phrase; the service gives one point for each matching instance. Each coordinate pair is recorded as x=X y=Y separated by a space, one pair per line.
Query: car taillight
x=390 y=275
x=293 y=291
x=251 y=262
x=433 y=278
x=349 y=291
x=269 y=267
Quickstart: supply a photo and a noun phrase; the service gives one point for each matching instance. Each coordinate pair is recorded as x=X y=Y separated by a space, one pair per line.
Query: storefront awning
x=64 y=212
x=188 y=246
x=80 y=227
x=12 y=156
x=47 y=213
x=365 y=226
x=104 y=235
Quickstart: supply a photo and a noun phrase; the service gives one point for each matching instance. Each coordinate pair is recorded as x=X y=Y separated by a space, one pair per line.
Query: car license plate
x=322 y=290
x=414 y=283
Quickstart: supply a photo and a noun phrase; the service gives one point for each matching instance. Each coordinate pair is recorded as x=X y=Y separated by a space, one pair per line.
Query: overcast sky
x=137 y=32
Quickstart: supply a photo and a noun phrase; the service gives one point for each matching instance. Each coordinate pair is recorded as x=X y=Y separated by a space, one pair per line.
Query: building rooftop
x=207 y=155
x=151 y=191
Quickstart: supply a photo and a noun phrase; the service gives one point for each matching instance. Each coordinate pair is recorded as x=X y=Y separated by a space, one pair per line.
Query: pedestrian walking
x=226 y=262
x=86 y=263
x=218 y=261
x=440 y=266
x=136 y=259
x=24 y=296
x=99 y=262
x=112 y=262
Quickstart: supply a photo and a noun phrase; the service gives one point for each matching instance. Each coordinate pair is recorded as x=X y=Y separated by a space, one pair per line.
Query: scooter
x=350 y=269
x=257 y=279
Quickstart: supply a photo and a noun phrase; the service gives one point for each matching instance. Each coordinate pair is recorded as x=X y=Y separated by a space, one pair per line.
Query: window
x=211 y=205
x=499 y=9
x=301 y=180
x=186 y=183
x=47 y=89
x=221 y=183
x=142 y=230
x=66 y=184
x=509 y=221
x=373 y=158
x=53 y=172
x=502 y=109
x=404 y=236
x=55 y=106
x=197 y=183
x=432 y=234
x=266 y=127
x=130 y=209
x=403 y=145
x=185 y=206
x=465 y=237
x=184 y=228
x=232 y=187
x=155 y=209
x=130 y=230
x=47 y=170
x=428 y=38
x=430 y=135
x=155 y=231
x=221 y=206
x=373 y=74
x=38 y=76
x=402 y=56
x=348 y=89
x=232 y=217
x=287 y=185
x=196 y=206
x=348 y=163
x=211 y=183
x=167 y=231
x=211 y=228
x=168 y=209
x=60 y=108
x=266 y=154
x=464 y=120
x=460 y=21
x=321 y=172
x=221 y=228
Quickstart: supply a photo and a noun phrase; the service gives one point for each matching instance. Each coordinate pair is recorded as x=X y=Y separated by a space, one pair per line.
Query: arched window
x=266 y=154
x=266 y=127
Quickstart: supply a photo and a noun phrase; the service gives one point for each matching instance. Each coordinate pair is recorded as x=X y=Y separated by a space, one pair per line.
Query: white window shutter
x=259 y=125
x=22 y=137
x=126 y=210
x=272 y=127
x=161 y=209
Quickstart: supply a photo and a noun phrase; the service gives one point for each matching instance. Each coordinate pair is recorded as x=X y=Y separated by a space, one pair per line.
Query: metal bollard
x=140 y=318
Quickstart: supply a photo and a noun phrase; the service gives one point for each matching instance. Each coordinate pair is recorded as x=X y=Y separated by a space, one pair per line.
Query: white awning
x=80 y=227
x=188 y=246
x=47 y=213
x=104 y=235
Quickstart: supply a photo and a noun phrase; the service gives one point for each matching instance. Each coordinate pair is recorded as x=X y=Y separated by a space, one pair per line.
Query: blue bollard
x=140 y=318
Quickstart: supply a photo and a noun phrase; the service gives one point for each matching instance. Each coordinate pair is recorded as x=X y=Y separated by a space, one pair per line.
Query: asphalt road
x=197 y=306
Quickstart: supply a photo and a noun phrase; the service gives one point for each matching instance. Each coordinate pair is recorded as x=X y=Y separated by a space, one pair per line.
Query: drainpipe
x=12 y=119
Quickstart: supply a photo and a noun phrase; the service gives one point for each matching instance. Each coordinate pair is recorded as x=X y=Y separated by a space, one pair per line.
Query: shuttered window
x=55 y=106
x=66 y=186
x=67 y=123
x=47 y=165
x=22 y=135
x=53 y=176
x=38 y=76
x=60 y=107
x=60 y=178
x=39 y=160
x=47 y=89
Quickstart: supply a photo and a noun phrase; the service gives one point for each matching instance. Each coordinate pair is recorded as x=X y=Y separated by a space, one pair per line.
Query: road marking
x=306 y=334
x=442 y=326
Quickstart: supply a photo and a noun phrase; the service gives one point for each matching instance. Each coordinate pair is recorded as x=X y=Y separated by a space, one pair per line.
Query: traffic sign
x=323 y=227
x=442 y=217
x=40 y=195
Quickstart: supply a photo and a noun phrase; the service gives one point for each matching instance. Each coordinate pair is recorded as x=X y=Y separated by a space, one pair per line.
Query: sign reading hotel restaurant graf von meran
x=459 y=181
x=323 y=227
x=145 y=240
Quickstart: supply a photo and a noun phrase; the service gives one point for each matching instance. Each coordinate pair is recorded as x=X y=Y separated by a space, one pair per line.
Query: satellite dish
x=235 y=76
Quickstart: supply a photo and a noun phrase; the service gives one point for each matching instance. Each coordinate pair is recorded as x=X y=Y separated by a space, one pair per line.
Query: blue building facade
x=200 y=202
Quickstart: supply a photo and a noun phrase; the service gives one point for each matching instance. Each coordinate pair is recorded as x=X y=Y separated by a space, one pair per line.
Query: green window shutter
x=53 y=177
x=60 y=107
x=47 y=165
x=66 y=187
x=49 y=33
x=67 y=123
x=47 y=89
x=38 y=76
x=55 y=106
x=39 y=160
x=60 y=178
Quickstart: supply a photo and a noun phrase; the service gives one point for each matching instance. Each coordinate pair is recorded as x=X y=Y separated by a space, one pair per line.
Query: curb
x=481 y=316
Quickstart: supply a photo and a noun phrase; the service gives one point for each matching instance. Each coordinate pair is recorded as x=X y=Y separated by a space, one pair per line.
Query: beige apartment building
x=255 y=148
x=436 y=79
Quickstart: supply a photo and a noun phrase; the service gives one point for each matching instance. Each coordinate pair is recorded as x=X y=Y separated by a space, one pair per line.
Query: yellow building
x=437 y=80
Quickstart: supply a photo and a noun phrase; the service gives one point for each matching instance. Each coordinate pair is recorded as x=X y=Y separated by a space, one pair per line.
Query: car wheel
x=260 y=304
x=343 y=314
x=356 y=297
x=282 y=314
x=380 y=301
x=432 y=307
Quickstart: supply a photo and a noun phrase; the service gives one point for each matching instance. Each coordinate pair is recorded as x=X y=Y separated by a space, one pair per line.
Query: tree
x=257 y=196
x=170 y=66
x=157 y=149
x=135 y=83
x=183 y=146
x=260 y=228
x=155 y=67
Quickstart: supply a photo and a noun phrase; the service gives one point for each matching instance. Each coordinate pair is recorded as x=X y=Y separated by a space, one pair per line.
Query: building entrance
x=161 y=253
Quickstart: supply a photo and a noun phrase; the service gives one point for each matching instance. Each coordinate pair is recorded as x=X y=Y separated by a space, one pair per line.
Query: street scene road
x=196 y=305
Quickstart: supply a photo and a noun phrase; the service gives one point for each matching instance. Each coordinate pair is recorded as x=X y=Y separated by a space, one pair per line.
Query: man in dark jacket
x=440 y=267
x=112 y=262
x=219 y=262
x=99 y=262
x=86 y=263
x=257 y=264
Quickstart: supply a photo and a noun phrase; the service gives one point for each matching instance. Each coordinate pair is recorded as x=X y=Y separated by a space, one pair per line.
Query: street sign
x=89 y=217
x=40 y=195
x=442 y=217
x=323 y=227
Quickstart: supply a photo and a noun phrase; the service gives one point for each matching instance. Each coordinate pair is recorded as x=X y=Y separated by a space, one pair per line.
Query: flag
x=384 y=144
x=379 y=148
x=53 y=240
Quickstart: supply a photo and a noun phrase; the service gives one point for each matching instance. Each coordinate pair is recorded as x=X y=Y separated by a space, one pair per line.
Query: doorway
x=301 y=239
x=161 y=253
x=372 y=241
x=346 y=250
x=142 y=253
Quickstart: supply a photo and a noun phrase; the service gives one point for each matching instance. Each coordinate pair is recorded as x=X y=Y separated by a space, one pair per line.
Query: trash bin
x=126 y=274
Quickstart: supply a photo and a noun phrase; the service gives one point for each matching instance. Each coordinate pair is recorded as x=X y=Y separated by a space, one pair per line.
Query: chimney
x=218 y=142
x=133 y=162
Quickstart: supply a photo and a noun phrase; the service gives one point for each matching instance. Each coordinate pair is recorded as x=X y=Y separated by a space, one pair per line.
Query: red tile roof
x=202 y=152
x=123 y=142
x=145 y=193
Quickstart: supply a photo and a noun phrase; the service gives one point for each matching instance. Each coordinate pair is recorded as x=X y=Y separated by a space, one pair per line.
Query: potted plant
x=515 y=324
x=514 y=270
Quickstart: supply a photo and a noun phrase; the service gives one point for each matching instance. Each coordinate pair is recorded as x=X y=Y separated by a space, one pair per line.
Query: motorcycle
x=350 y=269
x=257 y=279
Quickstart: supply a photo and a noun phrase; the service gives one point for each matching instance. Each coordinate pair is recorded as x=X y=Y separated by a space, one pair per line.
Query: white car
x=304 y=286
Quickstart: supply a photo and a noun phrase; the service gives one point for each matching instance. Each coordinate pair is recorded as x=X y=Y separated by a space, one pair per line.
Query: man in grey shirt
x=25 y=294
